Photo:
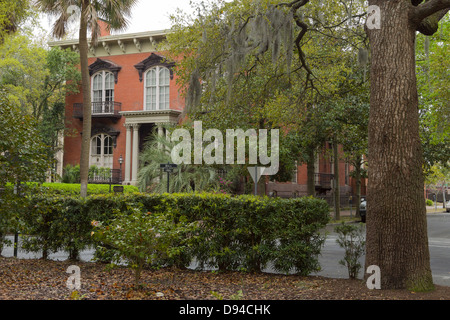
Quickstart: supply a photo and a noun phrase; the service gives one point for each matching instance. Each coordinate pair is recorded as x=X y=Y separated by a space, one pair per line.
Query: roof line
x=126 y=36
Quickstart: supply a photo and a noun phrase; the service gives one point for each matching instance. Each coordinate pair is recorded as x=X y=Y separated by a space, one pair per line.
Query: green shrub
x=351 y=238
x=232 y=233
x=144 y=238
x=296 y=226
x=13 y=204
x=429 y=202
x=248 y=232
x=54 y=223
x=71 y=174
x=74 y=188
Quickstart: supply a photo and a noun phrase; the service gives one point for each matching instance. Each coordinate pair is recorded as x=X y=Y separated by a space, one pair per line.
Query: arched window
x=102 y=151
x=103 y=92
x=157 y=89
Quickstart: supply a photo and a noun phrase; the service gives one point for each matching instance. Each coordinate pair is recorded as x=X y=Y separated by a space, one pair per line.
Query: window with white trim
x=102 y=151
x=103 y=92
x=157 y=89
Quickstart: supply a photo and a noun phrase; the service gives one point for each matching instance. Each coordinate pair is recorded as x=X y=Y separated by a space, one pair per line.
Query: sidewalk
x=431 y=212
x=438 y=209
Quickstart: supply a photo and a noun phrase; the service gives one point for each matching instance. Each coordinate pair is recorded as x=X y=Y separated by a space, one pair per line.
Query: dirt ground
x=22 y=279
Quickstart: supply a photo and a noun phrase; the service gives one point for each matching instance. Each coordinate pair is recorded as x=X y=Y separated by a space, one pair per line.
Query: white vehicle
x=363 y=209
x=447 y=206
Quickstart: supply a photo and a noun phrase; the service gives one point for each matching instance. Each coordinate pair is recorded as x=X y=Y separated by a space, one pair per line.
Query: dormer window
x=157 y=89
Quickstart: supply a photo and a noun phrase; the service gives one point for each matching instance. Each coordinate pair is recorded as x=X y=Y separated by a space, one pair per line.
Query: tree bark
x=336 y=187
x=86 y=91
x=396 y=237
x=310 y=171
x=357 y=199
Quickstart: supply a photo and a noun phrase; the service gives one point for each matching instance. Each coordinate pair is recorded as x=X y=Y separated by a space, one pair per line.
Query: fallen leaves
x=42 y=280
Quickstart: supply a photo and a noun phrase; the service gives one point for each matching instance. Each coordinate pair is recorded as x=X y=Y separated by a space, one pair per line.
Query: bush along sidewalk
x=217 y=230
x=351 y=238
x=141 y=239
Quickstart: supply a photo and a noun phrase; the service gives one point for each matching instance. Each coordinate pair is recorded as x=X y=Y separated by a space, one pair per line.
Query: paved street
x=438 y=241
x=439 y=244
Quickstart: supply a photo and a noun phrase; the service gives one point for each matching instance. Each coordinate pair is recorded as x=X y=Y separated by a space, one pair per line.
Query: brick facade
x=128 y=57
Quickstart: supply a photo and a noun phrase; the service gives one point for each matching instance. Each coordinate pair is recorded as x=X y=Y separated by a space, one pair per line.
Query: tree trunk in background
x=86 y=90
x=336 y=187
x=310 y=165
x=357 y=199
x=396 y=238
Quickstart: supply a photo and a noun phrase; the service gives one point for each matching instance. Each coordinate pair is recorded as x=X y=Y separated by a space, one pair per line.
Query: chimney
x=104 y=28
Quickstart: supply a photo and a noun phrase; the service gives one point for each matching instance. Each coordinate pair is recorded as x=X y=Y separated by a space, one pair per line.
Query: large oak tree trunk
x=397 y=238
x=86 y=89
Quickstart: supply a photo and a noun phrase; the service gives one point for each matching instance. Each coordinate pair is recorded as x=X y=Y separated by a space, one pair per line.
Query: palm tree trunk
x=86 y=90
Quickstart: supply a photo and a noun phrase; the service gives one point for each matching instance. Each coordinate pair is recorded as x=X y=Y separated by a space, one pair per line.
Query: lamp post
x=120 y=168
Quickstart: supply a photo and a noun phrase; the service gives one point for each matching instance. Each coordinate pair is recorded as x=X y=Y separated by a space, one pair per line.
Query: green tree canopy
x=23 y=156
x=243 y=64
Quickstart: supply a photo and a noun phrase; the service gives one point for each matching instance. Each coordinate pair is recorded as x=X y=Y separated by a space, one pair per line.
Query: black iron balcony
x=323 y=180
x=113 y=176
x=102 y=109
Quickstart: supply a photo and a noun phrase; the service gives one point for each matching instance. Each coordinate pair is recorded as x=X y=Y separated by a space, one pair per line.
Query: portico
x=135 y=122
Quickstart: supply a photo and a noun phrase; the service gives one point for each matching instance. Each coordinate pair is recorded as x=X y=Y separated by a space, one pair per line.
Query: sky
x=151 y=15
x=148 y=15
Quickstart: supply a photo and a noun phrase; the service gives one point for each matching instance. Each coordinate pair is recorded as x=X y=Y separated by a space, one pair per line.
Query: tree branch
x=429 y=8
x=430 y=25
x=416 y=2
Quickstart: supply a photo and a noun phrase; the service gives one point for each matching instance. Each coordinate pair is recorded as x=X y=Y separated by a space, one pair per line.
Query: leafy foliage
x=185 y=178
x=432 y=84
x=229 y=233
x=22 y=155
x=12 y=14
x=144 y=238
x=351 y=238
x=74 y=188
x=36 y=81
x=239 y=69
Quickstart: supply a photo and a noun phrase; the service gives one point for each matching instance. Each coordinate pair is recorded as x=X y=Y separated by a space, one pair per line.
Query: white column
x=135 y=166
x=128 y=154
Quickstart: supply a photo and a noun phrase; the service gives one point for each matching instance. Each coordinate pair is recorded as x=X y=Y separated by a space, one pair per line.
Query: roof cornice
x=127 y=36
x=119 y=44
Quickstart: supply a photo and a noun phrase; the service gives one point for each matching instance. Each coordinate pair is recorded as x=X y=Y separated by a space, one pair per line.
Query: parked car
x=447 y=206
x=363 y=209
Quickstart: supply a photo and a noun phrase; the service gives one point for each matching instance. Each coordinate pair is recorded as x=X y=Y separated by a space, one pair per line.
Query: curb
x=438 y=214
x=345 y=222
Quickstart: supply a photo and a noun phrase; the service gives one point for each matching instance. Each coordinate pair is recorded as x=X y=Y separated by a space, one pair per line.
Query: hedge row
x=74 y=188
x=67 y=188
x=234 y=233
